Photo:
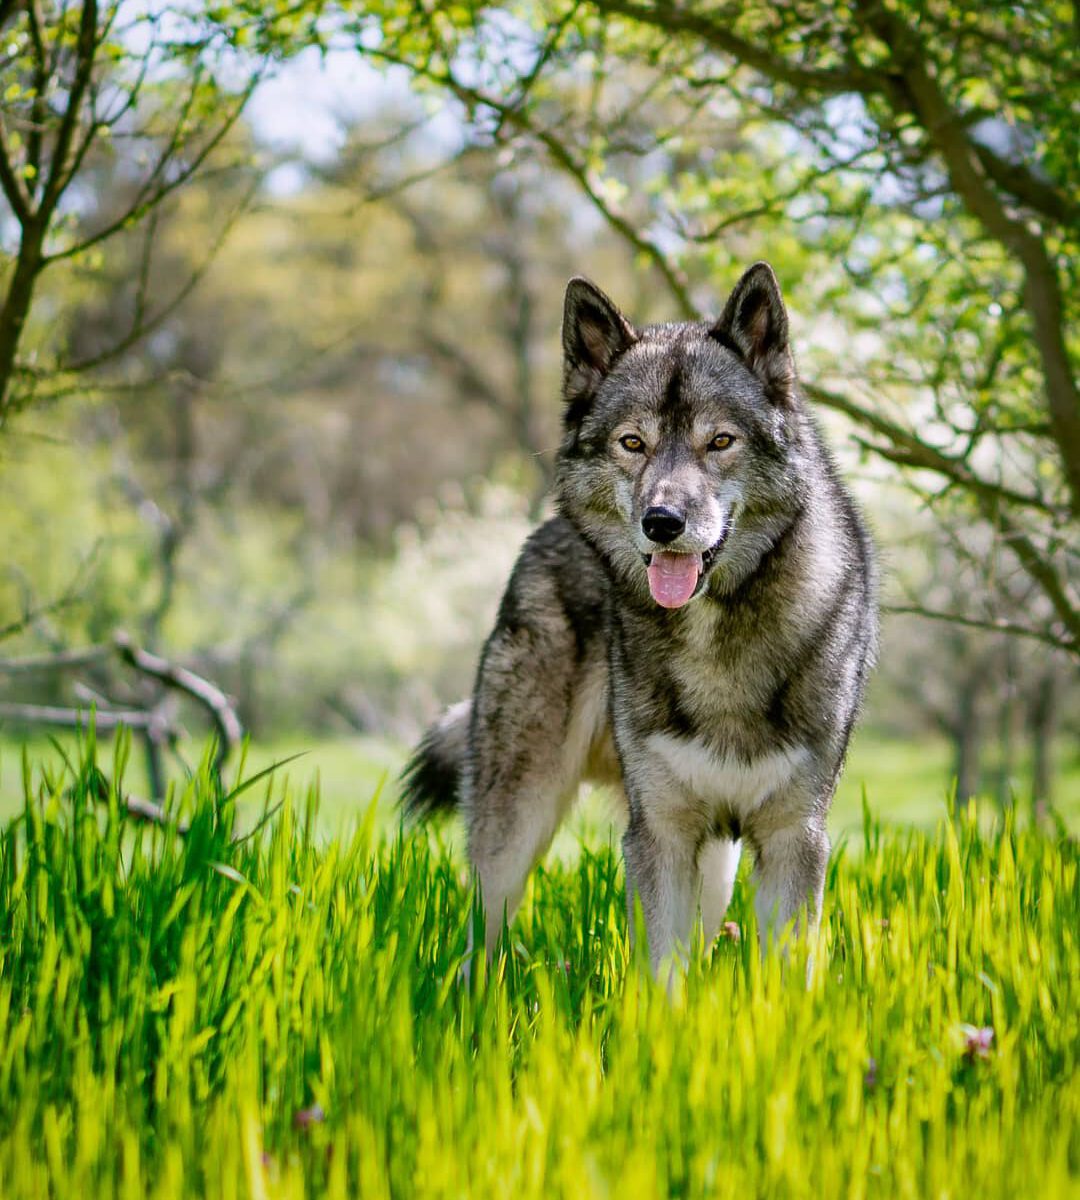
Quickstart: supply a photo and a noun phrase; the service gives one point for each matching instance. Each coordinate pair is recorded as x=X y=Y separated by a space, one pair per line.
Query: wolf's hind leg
x=718 y=863
x=537 y=713
x=507 y=834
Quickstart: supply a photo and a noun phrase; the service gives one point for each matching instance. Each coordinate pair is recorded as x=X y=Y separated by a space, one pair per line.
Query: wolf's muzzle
x=662 y=525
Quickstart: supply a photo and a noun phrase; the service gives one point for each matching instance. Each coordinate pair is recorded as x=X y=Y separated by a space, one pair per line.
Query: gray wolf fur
x=696 y=625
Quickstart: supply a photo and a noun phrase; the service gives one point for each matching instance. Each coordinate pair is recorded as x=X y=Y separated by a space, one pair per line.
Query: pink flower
x=977 y=1041
x=304 y=1118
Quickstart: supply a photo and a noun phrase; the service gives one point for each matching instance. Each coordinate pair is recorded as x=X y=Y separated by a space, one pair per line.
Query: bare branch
x=72 y=718
x=86 y=47
x=155 y=724
x=212 y=698
x=13 y=187
x=63 y=660
x=78 y=718
x=510 y=114
x=148 y=199
x=72 y=594
x=154 y=814
x=143 y=326
x=1016 y=179
x=999 y=625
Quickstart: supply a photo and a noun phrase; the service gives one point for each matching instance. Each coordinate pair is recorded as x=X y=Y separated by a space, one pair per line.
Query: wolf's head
x=681 y=456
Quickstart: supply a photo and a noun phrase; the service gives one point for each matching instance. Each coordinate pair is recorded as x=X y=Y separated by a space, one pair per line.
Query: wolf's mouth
x=675 y=579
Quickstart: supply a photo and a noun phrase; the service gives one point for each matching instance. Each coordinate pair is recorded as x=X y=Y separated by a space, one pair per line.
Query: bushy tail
x=431 y=781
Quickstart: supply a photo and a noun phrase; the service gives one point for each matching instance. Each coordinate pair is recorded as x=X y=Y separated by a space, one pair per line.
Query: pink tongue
x=673 y=577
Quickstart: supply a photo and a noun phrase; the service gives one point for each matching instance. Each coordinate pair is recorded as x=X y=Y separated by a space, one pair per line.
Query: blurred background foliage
x=279 y=342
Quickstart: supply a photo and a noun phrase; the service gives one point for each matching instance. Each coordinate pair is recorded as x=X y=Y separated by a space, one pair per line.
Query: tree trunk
x=1042 y=726
x=966 y=738
x=155 y=768
x=1007 y=715
x=13 y=315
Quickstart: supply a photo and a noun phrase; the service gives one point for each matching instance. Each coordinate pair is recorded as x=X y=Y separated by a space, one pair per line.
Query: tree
x=157 y=92
x=914 y=165
x=998 y=708
x=354 y=351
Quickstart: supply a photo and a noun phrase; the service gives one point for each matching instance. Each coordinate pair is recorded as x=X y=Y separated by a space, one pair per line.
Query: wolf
x=695 y=626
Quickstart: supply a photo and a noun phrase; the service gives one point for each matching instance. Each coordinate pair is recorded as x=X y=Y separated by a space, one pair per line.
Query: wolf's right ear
x=594 y=334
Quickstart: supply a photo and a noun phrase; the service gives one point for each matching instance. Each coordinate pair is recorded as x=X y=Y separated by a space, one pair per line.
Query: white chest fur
x=722 y=780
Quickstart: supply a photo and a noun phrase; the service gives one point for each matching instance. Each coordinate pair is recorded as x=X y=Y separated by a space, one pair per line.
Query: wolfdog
x=696 y=625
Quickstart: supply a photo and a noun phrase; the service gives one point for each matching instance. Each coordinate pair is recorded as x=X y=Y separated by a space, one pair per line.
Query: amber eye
x=722 y=441
x=632 y=443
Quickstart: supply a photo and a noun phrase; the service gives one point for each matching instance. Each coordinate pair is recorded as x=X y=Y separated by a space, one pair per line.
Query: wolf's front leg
x=789 y=873
x=718 y=864
x=661 y=871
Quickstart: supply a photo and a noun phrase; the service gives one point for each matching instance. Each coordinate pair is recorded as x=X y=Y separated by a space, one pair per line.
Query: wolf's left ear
x=594 y=334
x=754 y=325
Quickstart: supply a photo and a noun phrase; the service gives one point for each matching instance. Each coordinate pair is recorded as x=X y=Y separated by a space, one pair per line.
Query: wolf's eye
x=722 y=441
x=632 y=443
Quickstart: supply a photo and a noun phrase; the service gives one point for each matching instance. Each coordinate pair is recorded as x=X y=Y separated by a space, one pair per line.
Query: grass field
x=283 y=1015
x=906 y=781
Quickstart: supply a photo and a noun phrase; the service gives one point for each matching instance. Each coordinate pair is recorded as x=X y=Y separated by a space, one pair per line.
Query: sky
x=307 y=107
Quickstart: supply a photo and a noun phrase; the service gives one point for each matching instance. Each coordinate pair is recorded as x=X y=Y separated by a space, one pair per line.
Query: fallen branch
x=61 y=660
x=154 y=724
x=153 y=814
x=81 y=718
x=211 y=697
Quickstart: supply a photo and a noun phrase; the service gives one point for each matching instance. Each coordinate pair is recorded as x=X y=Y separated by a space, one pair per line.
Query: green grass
x=284 y=1016
x=908 y=781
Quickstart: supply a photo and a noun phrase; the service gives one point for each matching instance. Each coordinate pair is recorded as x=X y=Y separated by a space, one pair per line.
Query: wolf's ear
x=754 y=325
x=594 y=334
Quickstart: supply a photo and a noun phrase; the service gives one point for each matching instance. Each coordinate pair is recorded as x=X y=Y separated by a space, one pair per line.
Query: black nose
x=662 y=525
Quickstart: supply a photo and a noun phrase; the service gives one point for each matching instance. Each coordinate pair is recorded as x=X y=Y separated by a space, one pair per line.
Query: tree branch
x=1016 y=179
x=70 y=595
x=716 y=32
x=212 y=698
x=41 y=81
x=13 y=187
x=910 y=451
x=8 y=9
x=1036 y=565
x=910 y=88
x=63 y=660
x=146 y=201
x=967 y=171
x=143 y=325
x=510 y=114
x=86 y=47
x=1000 y=625
x=78 y=718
